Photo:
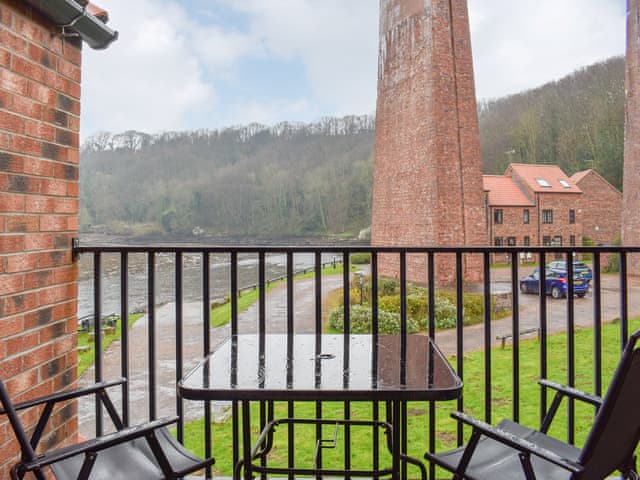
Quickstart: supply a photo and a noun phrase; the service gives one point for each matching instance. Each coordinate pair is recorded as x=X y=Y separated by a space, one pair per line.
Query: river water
x=192 y=277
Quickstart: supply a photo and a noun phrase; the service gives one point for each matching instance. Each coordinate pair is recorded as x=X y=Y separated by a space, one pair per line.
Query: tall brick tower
x=631 y=184
x=428 y=177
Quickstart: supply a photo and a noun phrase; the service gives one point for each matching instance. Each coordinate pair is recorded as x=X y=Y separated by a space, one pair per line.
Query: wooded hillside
x=315 y=179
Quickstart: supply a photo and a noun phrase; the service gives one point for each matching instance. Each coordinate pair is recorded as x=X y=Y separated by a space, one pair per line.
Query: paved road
x=556 y=312
x=304 y=308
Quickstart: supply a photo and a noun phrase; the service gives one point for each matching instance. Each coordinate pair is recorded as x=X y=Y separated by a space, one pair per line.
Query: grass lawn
x=86 y=357
x=473 y=395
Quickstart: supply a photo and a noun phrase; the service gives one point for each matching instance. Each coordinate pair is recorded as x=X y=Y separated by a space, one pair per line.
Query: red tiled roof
x=543 y=178
x=503 y=191
x=578 y=176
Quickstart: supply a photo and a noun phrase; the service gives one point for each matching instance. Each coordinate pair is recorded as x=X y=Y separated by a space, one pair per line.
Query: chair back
x=28 y=454
x=616 y=429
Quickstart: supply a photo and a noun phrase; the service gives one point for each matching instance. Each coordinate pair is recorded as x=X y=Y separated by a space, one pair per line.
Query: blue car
x=556 y=283
x=579 y=268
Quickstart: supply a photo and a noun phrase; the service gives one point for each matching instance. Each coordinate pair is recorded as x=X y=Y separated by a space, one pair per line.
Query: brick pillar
x=631 y=183
x=428 y=175
x=39 y=124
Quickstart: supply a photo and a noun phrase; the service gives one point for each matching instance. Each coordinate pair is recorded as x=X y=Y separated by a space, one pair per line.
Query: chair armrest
x=517 y=443
x=97 y=444
x=572 y=392
x=67 y=395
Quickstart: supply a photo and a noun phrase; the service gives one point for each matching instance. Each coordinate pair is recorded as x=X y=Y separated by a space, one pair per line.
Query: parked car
x=556 y=283
x=578 y=268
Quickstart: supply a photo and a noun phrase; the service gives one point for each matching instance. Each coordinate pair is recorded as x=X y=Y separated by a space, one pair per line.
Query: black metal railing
x=458 y=270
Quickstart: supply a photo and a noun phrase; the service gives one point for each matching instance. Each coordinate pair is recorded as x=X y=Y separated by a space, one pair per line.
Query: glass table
x=280 y=367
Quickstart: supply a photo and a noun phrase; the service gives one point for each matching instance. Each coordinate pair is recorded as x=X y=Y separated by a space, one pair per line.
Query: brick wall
x=631 y=185
x=600 y=209
x=39 y=124
x=427 y=181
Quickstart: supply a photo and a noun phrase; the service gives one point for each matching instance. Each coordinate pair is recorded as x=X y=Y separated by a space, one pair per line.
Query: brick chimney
x=631 y=183
x=428 y=175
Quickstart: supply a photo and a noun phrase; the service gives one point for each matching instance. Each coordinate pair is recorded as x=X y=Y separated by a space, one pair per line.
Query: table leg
x=246 y=438
x=395 y=422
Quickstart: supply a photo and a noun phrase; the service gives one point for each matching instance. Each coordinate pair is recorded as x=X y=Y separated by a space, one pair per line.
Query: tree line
x=316 y=179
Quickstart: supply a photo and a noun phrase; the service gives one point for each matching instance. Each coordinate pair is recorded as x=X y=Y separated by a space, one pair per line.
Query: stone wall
x=39 y=124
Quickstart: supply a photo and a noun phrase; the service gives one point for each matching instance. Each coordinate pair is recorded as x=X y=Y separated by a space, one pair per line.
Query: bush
x=389 y=287
x=360 y=321
x=361 y=258
x=613 y=264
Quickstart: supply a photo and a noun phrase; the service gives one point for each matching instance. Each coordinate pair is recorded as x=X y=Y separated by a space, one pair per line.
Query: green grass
x=502 y=394
x=86 y=357
x=221 y=314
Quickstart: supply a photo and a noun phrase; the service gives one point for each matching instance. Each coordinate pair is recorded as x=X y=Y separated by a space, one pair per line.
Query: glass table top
x=323 y=367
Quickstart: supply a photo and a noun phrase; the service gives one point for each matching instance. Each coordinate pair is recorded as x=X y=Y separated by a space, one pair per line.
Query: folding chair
x=512 y=451
x=147 y=451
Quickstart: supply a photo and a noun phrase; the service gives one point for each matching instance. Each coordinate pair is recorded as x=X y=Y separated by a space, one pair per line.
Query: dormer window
x=543 y=183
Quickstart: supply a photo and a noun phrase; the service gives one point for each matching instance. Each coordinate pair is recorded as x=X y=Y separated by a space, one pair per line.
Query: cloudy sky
x=187 y=64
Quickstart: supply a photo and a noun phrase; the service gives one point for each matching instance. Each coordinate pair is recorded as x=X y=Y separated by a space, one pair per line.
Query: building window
x=546 y=241
x=526 y=241
x=557 y=241
x=547 y=216
x=572 y=240
x=564 y=183
x=543 y=183
x=511 y=241
x=572 y=216
x=498 y=241
x=525 y=215
x=497 y=216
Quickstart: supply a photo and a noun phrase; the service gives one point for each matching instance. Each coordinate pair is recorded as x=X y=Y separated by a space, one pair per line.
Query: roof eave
x=68 y=14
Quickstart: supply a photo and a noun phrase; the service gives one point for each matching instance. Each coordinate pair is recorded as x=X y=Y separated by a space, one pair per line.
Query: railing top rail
x=206 y=248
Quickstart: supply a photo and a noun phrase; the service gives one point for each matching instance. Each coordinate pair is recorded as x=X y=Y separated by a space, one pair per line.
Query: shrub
x=360 y=258
x=389 y=287
x=360 y=321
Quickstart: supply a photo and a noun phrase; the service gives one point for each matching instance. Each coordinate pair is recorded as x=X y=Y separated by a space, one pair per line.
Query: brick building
x=541 y=205
x=631 y=176
x=600 y=208
x=39 y=123
x=427 y=181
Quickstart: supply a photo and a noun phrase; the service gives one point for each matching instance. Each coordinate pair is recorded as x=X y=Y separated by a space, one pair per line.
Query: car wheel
x=580 y=295
x=524 y=288
x=556 y=292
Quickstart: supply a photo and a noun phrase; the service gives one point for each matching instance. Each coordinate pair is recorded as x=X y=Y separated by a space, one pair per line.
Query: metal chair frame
x=164 y=447
x=610 y=444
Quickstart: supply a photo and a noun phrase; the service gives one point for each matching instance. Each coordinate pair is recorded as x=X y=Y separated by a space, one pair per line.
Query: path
x=276 y=306
x=304 y=321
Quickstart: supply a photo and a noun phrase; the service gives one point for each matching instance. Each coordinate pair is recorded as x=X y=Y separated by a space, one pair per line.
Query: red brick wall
x=427 y=182
x=39 y=124
x=631 y=185
x=600 y=209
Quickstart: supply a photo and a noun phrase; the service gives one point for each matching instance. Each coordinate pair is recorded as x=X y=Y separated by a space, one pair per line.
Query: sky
x=194 y=64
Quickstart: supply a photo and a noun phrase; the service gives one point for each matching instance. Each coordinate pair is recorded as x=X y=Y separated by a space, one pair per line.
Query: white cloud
x=523 y=44
x=182 y=64
x=154 y=76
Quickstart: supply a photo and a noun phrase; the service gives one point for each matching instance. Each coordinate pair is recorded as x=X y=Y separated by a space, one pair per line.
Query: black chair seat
x=512 y=451
x=146 y=451
x=120 y=461
x=493 y=459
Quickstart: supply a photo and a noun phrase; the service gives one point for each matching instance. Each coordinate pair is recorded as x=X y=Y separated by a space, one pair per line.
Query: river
x=165 y=277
